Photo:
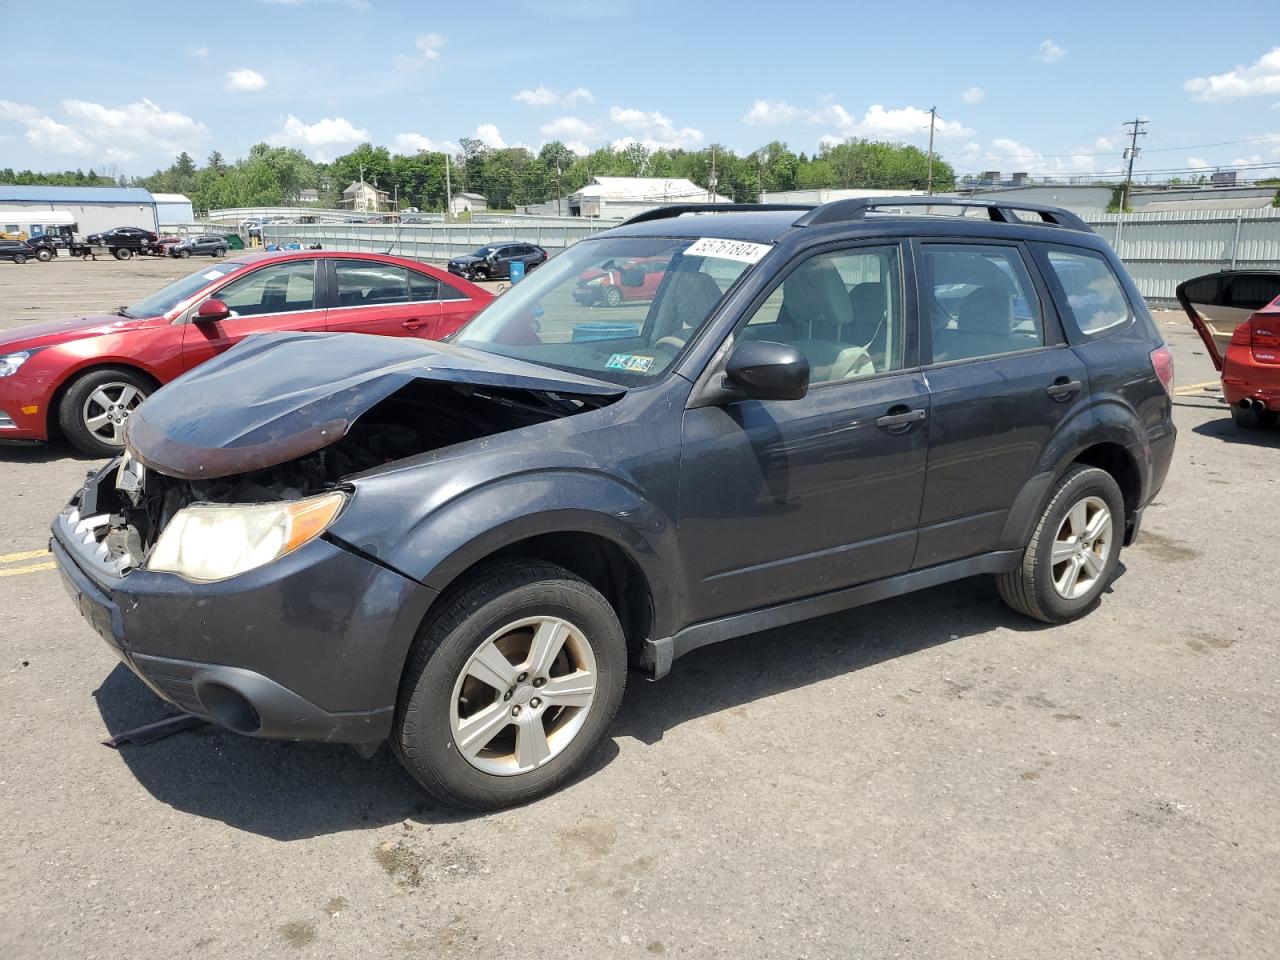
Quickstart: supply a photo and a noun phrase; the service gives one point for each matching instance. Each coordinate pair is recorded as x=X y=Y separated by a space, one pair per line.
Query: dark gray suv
x=461 y=548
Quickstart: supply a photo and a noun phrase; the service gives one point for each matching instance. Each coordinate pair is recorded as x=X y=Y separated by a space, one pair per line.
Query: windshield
x=166 y=298
x=483 y=252
x=618 y=308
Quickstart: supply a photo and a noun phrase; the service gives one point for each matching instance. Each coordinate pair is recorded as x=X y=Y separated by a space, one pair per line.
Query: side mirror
x=767 y=371
x=211 y=311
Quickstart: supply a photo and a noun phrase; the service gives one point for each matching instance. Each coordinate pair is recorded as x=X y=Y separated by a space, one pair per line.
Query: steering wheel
x=671 y=343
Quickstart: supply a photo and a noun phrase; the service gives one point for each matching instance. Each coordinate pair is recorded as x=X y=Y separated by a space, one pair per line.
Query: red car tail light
x=1162 y=364
x=1264 y=338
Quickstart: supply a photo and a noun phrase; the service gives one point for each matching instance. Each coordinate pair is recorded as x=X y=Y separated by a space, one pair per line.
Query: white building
x=93 y=208
x=173 y=208
x=309 y=195
x=468 y=203
x=818 y=197
x=616 y=198
x=364 y=198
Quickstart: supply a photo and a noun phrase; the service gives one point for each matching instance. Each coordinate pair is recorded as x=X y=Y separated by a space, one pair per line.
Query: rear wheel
x=1253 y=419
x=510 y=687
x=122 y=253
x=1073 y=552
x=96 y=407
x=19 y=258
x=219 y=251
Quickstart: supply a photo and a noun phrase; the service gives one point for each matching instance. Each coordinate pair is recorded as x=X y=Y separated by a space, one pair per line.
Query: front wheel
x=510 y=687
x=96 y=407
x=44 y=254
x=612 y=296
x=1073 y=552
x=184 y=254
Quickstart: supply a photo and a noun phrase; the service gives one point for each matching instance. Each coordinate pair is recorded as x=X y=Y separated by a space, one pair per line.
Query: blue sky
x=128 y=85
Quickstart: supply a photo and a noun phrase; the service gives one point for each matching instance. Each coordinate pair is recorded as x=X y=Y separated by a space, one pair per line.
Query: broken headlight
x=215 y=541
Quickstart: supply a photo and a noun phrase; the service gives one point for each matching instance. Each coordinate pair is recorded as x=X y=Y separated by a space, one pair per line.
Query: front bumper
x=309 y=647
x=23 y=408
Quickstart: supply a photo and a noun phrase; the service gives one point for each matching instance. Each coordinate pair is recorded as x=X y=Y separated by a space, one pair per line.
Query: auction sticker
x=630 y=362
x=739 y=250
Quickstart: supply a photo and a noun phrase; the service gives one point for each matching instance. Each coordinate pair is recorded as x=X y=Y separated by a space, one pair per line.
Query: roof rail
x=857 y=208
x=676 y=209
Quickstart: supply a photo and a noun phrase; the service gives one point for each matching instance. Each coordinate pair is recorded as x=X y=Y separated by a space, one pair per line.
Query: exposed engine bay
x=126 y=509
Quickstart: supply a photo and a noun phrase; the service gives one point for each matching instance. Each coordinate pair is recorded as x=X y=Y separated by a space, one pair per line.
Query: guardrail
x=430 y=241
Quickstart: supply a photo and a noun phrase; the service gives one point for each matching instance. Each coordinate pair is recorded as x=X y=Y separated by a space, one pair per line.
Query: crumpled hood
x=467 y=260
x=275 y=397
x=49 y=332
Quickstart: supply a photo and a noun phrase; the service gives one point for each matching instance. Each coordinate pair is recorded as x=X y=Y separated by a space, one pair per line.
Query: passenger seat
x=984 y=326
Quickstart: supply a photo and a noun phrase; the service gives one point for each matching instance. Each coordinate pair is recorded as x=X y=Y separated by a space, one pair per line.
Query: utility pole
x=558 y=190
x=711 y=184
x=364 y=204
x=448 y=191
x=933 y=116
x=1131 y=154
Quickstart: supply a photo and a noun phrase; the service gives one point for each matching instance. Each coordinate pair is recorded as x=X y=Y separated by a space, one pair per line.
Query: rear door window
x=364 y=283
x=1091 y=293
x=979 y=300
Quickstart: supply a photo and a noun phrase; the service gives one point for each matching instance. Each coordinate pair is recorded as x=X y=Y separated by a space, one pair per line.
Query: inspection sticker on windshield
x=629 y=362
x=739 y=250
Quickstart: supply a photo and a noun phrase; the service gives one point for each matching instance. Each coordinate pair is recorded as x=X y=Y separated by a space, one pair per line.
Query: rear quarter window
x=1088 y=291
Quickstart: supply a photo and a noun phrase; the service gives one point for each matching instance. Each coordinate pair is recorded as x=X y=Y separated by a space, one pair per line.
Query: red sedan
x=1237 y=314
x=83 y=376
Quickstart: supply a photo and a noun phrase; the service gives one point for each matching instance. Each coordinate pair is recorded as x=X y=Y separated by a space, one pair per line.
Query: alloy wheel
x=523 y=696
x=107 y=409
x=1082 y=548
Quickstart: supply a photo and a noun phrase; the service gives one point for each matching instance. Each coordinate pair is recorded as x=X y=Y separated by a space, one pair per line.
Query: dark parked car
x=205 y=245
x=19 y=251
x=122 y=233
x=494 y=261
x=461 y=547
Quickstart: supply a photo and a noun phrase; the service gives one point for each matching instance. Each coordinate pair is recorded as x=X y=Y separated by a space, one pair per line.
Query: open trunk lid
x=1217 y=303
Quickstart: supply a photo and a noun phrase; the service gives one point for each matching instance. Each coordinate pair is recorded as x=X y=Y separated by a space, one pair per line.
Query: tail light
x=1264 y=338
x=1162 y=364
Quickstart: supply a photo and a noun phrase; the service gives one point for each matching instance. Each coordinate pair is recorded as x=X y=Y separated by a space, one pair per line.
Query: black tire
x=184 y=254
x=71 y=407
x=19 y=258
x=122 y=253
x=1029 y=589
x=44 y=254
x=422 y=737
x=1252 y=419
x=612 y=297
x=219 y=251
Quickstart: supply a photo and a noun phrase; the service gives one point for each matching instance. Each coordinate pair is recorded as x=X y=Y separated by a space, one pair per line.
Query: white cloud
x=830 y=140
x=1049 y=52
x=428 y=46
x=411 y=143
x=831 y=115
x=200 y=53
x=1197 y=163
x=879 y=123
x=320 y=139
x=1011 y=156
x=769 y=113
x=577 y=147
x=541 y=96
x=93 y=131
x=487 y=133
x=245 y=80
x=1260 y=78
x=973 y=95
x=653 y=129
x=562 y=127
x=1253 y=159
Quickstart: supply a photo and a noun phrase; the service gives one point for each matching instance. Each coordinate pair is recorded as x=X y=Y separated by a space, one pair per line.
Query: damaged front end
x=246 y=458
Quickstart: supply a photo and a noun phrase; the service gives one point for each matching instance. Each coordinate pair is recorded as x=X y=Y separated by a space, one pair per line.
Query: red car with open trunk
x=83 y=376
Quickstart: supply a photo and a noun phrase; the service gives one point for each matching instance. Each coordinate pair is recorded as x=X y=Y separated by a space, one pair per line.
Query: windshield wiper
x=124 y=312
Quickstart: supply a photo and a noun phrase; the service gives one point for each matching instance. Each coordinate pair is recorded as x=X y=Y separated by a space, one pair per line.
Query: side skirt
x=659 y=654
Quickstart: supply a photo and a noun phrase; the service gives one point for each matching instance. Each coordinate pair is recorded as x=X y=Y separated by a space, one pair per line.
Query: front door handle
x=1063 y=389
x=415 y=323
x=899 y=419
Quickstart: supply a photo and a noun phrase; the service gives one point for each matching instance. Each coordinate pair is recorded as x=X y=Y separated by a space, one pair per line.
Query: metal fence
x=1160 y=249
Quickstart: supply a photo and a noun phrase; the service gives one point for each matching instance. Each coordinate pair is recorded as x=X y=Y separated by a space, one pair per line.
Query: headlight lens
x=10 y=363
x=209 y=542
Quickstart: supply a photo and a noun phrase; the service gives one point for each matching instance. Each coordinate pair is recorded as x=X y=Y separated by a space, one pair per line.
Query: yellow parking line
x=24 y=555
x=1195 y=388
x=30 y=568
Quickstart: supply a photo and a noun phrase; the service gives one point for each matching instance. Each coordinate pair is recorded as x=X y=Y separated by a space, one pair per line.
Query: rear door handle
x=899 y=419
x=1063 y=389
